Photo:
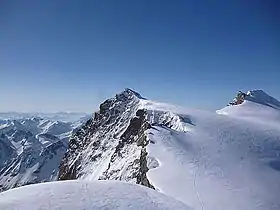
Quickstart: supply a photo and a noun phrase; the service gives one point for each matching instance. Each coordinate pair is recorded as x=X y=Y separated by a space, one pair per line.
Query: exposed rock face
x=239 y=99
x=111 y=145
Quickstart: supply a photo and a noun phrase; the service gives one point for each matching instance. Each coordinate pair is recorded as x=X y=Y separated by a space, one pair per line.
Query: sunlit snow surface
x=82 y=195
x=216 y=161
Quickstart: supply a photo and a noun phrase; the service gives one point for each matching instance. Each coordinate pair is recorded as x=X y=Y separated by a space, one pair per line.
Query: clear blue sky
x=70 y=55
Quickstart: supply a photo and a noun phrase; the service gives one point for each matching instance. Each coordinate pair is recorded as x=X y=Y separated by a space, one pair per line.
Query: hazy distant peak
x=35 y=116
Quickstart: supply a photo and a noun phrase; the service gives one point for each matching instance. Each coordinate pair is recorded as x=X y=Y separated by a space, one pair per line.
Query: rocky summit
x=111 y=145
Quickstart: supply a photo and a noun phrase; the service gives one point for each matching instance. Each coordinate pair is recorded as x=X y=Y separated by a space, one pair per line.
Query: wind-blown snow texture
x=31 y=150
x=76 y=195
x=224 y=160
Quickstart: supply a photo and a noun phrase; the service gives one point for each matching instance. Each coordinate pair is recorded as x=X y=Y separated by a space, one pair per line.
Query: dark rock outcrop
x=239 y=99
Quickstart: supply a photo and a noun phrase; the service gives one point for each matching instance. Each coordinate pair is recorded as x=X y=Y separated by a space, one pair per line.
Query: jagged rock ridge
x=111 y=145
x=239 y=99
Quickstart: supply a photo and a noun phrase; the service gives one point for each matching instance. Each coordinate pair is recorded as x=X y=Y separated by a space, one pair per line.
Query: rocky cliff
x=111 y=145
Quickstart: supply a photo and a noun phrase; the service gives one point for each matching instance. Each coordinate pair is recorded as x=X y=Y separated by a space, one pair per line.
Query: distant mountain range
x=31 y=148
x=59 y=116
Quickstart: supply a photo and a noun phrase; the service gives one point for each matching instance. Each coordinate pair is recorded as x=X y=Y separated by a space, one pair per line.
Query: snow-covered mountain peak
x=257 y=96
x=182 y=152
x=131 y=93
x=256 y=92
x=255 y=105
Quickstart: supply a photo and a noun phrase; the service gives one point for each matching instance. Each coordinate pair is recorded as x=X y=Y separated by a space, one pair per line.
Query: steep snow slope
x=31 y=150
x=207 y=160
x=260 y=97
x=74 y=195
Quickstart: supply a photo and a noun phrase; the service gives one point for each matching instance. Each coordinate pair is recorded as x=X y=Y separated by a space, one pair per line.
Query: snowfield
x=229 y=160
x=82 y=195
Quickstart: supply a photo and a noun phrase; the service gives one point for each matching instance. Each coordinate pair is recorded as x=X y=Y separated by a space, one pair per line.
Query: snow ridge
x=256 y=96
x=101 y=195
x=259 y=96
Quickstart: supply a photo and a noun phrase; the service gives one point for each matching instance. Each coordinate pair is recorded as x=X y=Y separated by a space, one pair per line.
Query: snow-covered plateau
x=223 y=160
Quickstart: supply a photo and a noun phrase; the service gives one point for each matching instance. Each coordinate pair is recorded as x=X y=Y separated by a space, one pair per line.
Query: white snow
x=253 y=112
x=260 y=97
x=226 y=160
x=217 y=161
x=31 y=150
x=82 y=195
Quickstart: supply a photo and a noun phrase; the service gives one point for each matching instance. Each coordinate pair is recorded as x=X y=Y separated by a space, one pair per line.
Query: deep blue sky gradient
x=70 y=55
